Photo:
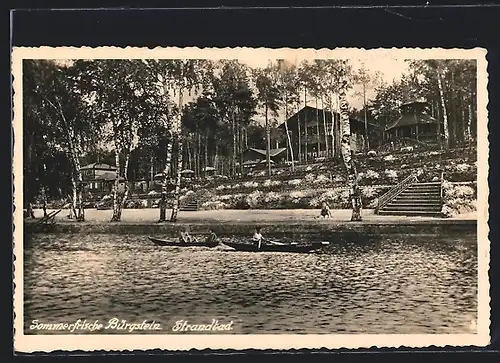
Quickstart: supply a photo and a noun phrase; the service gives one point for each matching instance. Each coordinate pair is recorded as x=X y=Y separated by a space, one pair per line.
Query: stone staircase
x=415 y=199
x=190 y=206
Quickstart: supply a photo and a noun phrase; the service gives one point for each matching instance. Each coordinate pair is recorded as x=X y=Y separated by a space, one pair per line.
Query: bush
x=272 y=197
x=392 y=175
x=368 y=192
x=372 y=175
x=254 y=200
x=309 y=178
x=321 y=179
x=251 y=184
x=336 y=198
x=214 y=205
x=294 y=182
x=458 y=199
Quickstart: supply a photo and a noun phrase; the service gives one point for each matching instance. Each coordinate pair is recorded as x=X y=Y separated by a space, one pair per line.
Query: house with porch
x=315 y=133
x=415 y=123
x=99 y=178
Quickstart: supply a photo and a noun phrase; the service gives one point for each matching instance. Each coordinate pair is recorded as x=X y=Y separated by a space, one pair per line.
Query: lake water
x=387 y=285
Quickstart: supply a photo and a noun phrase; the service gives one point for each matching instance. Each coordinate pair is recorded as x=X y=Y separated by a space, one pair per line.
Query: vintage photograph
x=230 y=198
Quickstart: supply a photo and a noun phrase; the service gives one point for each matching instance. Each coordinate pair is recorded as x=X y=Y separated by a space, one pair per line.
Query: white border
x=47 y=343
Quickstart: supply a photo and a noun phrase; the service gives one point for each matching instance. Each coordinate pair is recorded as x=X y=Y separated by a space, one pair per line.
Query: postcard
x=249 y=198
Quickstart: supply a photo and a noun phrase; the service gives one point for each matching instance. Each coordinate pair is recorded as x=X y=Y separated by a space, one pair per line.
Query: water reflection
x=384 y=284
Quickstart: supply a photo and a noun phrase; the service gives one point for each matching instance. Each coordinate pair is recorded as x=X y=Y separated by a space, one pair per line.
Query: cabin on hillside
x=253 y=156
x=311 y=130
x=415 y=123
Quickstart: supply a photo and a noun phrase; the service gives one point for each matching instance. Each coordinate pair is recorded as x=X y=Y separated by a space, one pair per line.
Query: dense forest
x=150 y=116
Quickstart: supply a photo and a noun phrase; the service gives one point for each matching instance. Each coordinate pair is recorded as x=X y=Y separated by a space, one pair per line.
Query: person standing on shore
x=325 y=210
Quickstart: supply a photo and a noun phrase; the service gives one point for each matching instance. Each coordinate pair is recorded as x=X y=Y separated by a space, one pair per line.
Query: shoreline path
x=151 y=215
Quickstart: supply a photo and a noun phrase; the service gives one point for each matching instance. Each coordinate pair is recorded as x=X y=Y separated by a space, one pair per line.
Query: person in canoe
x=257 y=238
x=211 y=237
x=187 y=238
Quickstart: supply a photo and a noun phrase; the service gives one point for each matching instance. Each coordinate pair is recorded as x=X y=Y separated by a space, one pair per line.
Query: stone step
x=417 y=192
x=412 y=208
x=413 y=204
x=191 y=206
x=423 y=188
x=428 y=183
x=410 y=213
x=410 y=198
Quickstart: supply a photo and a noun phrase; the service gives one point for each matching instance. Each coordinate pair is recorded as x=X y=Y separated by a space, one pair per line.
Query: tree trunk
x=299 y=135
x=177 y=191
x=151 y=172
x=240 y=148
x=438 y=127
x=338 y=136
x=198 y=172
x=367 y=142
x=288 y=135
x=206 y=152
x=195 y=152
x=348 y=157
x=189 y=153
x=268 y=144
x=318 y=142
x=332 y=128
x=305 y=123
x=327 y=147
x=74 y=199
x=127 y=185
x=469 y=123
x=74 y=155
x=445 y=112
x=116 y=213
x=233 y=130
x=44 y=201
x=179 y=141
x=166 y=178
x=216 y=157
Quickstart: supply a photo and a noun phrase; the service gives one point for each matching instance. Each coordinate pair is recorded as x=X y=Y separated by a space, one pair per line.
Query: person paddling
x=257 y=238
x=187 y=238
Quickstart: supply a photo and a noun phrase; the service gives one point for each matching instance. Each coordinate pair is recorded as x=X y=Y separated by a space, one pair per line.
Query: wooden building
x=311 y=131
x=253 y=156
x=416 y=123
x=99 y=178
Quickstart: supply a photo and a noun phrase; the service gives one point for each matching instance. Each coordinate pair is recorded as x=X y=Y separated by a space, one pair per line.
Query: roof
x=272 y=152
x=410 y=119
x=98 y=166
x=414 y=102
x=108 y=176
x=311 y=112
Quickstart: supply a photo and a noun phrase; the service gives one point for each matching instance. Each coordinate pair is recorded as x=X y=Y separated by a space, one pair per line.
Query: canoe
x=276 y=247
x=178 y=243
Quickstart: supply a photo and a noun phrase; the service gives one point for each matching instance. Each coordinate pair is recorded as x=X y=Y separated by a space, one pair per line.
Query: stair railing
x=396 y=190
x=441 y=184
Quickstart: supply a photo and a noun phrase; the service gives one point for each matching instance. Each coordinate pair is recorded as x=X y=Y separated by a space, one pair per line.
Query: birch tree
x=289 y=85
x=56 y=96
x=266 y=81
x=347 y=153
x=188 y=76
